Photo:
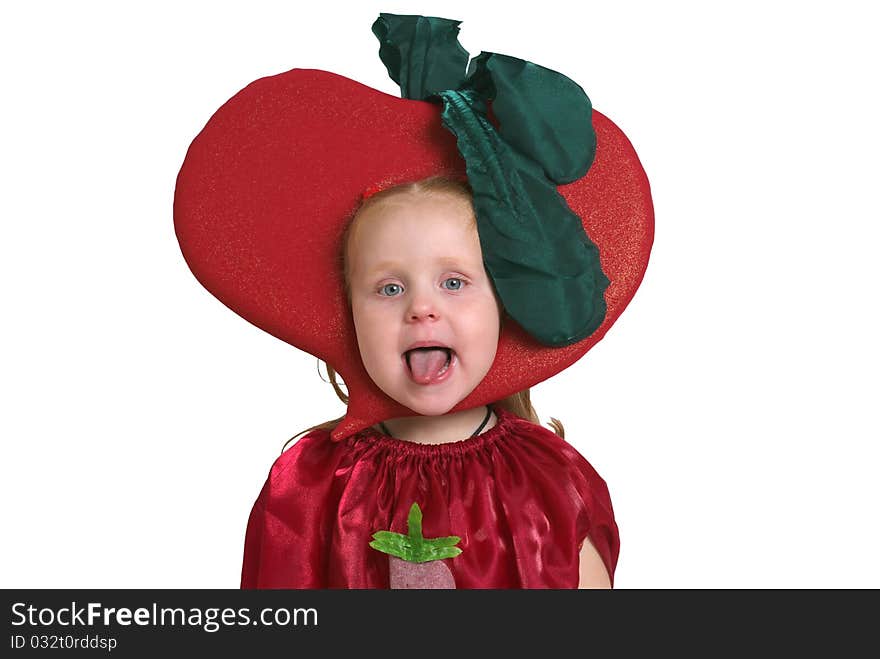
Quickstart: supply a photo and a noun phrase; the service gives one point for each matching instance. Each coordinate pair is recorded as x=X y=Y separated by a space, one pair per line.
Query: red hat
x=268 y=186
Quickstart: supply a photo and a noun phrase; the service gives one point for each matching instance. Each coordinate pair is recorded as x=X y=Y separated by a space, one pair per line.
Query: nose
x=422 y=307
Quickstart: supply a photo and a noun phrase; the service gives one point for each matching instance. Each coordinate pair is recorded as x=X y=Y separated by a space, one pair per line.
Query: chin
x=428 y=408
x=425 y=403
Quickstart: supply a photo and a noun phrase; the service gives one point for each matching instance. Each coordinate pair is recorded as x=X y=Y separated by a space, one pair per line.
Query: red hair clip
x=370 y=191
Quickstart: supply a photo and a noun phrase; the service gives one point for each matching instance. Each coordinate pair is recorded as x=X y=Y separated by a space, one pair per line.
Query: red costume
x=521 y=499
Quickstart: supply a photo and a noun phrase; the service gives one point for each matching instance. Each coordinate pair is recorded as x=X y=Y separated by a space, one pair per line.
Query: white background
x=732 y=409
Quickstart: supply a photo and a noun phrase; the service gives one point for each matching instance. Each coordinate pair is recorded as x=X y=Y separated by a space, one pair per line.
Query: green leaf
x=414 y=547
x=438 y=553
x=545 y=268
x=541 y=113
x=448 y=541
x=422 y=53
x=395 y=547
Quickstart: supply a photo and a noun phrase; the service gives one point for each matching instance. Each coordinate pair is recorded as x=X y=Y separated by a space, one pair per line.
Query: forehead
x=415 y=226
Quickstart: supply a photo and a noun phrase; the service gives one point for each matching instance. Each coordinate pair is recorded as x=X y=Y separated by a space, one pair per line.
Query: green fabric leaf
x=448 y=541
x=413 y=546
x=439 y=553
x=544 y=267
x=395 y=544
x=543 y=114
x=414 y=522
x=422 y=54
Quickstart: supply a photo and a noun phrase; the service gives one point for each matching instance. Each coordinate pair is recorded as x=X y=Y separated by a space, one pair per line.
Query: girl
x=427 y=323
x=451 y=300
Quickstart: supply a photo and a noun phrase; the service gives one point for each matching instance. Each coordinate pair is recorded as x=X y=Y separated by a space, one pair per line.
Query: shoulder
x=545 y=437
x=544 y=449
x=313 y=447
x=303 y=472
x=290 y=443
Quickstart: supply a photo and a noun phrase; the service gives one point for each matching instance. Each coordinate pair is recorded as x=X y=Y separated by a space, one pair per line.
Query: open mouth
x=429 y=364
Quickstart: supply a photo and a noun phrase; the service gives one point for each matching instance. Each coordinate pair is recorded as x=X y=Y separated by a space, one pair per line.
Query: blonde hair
x=519 y=403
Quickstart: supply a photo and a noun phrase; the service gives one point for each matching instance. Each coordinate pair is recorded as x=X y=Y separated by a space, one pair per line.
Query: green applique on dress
x=413 y=546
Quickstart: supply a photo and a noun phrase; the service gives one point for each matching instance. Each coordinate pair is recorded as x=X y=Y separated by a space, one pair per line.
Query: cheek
x=372 y=332
x=491 y=340
x=493 y=328
x=485 y=329
x=490 y=314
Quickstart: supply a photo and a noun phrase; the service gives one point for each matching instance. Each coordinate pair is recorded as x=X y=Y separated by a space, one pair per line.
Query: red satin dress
x=521 y=499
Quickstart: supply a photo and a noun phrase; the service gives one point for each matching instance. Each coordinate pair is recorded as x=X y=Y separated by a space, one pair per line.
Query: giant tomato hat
x=563 y=206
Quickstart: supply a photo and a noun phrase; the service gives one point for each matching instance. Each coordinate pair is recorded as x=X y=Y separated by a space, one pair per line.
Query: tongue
x=426 y=364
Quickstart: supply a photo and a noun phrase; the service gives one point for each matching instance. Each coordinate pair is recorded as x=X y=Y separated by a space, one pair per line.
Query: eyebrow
x=447 y=261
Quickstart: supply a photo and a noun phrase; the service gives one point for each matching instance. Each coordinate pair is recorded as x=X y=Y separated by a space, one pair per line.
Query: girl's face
x=425 y=312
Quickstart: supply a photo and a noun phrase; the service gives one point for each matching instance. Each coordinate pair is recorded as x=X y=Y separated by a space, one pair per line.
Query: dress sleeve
x=253 y=542
x=597 y=521
x=286 y=536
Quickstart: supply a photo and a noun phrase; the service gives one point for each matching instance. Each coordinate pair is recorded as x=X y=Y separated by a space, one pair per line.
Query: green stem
x=413 y=546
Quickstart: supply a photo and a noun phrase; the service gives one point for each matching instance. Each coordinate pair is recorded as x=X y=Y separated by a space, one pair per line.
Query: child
x=438 y=318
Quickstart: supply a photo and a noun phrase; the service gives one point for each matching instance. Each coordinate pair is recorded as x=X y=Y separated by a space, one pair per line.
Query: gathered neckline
x=503 y=423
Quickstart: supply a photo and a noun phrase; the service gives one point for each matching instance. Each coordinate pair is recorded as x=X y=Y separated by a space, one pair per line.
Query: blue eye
x=453 y=284
x=390 y=290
